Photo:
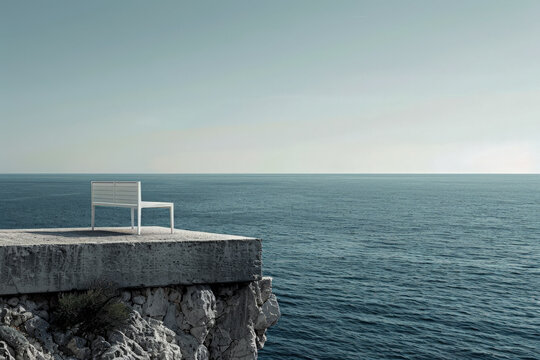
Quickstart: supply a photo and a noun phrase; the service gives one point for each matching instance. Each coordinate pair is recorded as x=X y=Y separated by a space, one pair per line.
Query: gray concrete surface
x=51 y=260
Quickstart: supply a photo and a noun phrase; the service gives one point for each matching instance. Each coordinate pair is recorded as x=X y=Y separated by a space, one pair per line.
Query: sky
x=270 y=86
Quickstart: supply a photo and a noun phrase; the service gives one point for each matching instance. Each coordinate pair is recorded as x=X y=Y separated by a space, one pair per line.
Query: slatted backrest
x=116 y=192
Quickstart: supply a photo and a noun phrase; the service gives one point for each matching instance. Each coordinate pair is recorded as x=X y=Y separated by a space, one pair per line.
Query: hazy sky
x=270 y=86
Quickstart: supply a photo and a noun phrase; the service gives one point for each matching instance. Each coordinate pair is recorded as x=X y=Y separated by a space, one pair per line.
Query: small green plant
x=92 y=312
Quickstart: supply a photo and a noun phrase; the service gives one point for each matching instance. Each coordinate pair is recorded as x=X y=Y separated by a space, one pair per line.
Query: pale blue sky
x=275 y=86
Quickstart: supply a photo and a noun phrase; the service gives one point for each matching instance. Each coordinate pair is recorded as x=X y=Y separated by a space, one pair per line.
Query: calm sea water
x=364 y=266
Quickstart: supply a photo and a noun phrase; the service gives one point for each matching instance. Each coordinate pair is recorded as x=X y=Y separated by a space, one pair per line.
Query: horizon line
x=266 y=173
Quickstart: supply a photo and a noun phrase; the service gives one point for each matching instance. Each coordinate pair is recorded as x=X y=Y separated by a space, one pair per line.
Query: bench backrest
x=116 y=192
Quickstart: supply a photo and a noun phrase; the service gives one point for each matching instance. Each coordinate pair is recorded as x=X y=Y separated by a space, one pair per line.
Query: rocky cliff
x=219 y=321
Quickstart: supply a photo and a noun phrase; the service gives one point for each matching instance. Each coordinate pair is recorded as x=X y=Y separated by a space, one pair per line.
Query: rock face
x=226 y=321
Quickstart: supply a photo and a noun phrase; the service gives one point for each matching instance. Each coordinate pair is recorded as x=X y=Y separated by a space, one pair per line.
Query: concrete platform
x=51 y=260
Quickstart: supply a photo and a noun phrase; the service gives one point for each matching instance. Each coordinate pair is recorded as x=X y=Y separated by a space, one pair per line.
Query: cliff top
x=24 y=237
x=52 y=260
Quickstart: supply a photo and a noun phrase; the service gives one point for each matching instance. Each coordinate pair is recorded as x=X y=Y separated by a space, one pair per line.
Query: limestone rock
x=38 y=329
x=30 y=305
x=243 y=349
x=13 y=338
x=78 y=347
x=175 y=296
x=6 y=316
x=137 y=308
x=197 y=322
x=234 y=334
x=261 y=339
x=199 y=309
x=269 y=314
x=170 y=317
x=99 y=346
x=22 y=348
x=61 y=338
x=265 y=286
x=42 y=314
x=188 y=344
x=121 y=348
x=202 y=353
x=191 y=349
x=156 y=304
x=146 y=337
x=5 y=352
x=199 y=305
x=139 y=300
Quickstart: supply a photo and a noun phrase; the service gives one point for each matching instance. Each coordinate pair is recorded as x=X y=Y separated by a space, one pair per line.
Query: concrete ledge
x=51 y=260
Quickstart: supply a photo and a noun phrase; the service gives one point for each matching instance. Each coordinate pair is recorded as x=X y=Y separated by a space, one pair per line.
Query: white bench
x=124 y=194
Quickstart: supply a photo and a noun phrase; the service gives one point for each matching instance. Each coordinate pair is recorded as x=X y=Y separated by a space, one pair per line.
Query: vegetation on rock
x=94 y=311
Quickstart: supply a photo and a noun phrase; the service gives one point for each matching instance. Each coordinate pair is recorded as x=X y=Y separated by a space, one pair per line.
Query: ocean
x=364 y=266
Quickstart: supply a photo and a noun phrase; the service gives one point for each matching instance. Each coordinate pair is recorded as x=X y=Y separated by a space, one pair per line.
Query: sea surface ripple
x=364 y=266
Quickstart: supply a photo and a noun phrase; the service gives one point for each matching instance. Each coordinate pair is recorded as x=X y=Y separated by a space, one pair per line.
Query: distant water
x=364 y=266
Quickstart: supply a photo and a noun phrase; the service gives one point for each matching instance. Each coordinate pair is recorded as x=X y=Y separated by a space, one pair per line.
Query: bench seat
x=125 y=194
x=154 y=204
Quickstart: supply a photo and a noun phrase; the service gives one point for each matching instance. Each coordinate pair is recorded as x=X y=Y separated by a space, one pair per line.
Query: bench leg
x=172 y=218
x=93 y=216
x=138 y=221
x=132 y=218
